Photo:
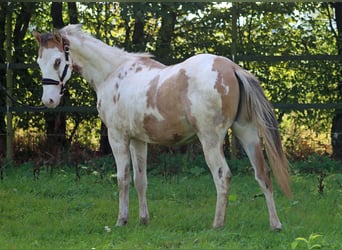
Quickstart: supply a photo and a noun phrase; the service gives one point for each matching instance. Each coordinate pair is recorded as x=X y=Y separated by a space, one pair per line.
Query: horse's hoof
x=276 y=228
x=144 y=220
x=218 y=225
x=121 y=222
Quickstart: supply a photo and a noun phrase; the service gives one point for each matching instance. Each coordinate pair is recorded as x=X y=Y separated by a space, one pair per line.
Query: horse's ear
x=56 y=35
x=38 y=36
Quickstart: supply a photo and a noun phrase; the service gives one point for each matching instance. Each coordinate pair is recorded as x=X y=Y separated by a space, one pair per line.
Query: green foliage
x=325 y=169
x=293 y=29
x=314 y=241
x=318 y=164
x=168 y=164
x=263 y=28
x=102 y=167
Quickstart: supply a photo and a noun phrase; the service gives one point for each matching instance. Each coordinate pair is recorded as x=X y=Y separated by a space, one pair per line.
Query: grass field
x=58 y=212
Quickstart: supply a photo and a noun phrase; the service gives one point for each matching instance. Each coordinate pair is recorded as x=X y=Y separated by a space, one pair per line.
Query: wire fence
x=298 y=142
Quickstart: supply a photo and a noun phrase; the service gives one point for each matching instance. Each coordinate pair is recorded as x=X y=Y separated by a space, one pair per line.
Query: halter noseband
x=48 y=81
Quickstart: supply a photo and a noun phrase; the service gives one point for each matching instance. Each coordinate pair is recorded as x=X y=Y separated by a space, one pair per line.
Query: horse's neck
x=95 y=60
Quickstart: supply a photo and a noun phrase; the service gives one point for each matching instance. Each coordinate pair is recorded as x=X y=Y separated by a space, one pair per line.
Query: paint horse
x=142 y=101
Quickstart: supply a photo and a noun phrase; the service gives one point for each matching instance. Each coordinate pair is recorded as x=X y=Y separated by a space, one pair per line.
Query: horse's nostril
x=51 y=101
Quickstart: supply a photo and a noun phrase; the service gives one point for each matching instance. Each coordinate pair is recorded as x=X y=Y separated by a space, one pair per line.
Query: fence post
x=9 y=85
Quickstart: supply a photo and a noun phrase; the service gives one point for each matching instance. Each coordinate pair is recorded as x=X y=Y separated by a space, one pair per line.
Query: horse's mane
x=77 y=31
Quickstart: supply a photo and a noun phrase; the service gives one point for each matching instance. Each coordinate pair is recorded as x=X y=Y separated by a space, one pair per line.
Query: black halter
x=48 y=81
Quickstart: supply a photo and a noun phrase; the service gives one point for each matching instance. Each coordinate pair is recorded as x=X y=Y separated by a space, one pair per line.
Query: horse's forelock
x=47 y=41
x=45 y=37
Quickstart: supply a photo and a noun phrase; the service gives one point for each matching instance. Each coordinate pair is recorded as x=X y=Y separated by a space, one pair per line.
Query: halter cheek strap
x=49 y=81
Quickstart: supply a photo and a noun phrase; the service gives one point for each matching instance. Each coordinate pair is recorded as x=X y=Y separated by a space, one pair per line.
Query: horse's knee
x=123 y=183
x=224 y=172
x=222 y=178
x=124 y=177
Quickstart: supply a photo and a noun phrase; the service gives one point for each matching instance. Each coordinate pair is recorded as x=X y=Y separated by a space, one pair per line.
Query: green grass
x=57 y=212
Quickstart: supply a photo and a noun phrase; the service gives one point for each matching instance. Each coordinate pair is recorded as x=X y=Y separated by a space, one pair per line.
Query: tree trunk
x=56 y=14
x=138 y=32
x=9 y=86
x=163 y=51
x=336 y=130
x=3 y=8
x=21 y=25
x=73 y=15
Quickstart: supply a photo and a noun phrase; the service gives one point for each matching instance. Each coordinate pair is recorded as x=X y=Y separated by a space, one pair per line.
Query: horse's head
x=56 y=66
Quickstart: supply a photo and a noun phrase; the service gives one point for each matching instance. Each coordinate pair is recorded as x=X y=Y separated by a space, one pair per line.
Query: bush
x=320 y=165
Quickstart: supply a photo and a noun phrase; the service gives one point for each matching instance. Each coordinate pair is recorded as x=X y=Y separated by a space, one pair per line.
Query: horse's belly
x=165 y=132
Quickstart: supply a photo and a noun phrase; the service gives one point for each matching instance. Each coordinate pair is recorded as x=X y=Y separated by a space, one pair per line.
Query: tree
x=169 y=15
x=20 y=14
x=73 y=13
x=292 y=29
x=176 y=31
x=336 y=130
x=138 y=36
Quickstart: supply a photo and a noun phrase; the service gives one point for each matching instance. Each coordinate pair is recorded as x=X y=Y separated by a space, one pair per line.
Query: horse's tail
x=254 y=107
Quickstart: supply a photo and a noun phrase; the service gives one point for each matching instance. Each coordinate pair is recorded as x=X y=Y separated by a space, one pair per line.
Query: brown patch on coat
x=77 y=68
x=171 y=101
x=228 y=87
x=47 y=41
x=152 y=92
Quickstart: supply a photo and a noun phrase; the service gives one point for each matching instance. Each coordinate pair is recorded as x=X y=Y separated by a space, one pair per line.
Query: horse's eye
x=57 y=63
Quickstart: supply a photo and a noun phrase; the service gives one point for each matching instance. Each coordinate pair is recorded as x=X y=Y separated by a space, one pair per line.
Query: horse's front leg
x=120 y=148
x=139 y=156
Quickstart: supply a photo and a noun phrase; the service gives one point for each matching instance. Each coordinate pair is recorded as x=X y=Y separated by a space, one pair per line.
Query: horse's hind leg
x=212 y=148
x=249 y=138
x=139 y=155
